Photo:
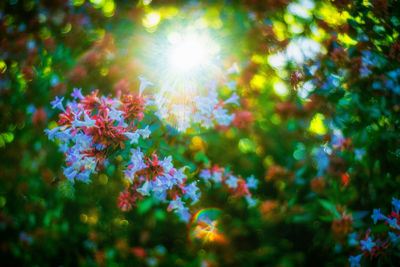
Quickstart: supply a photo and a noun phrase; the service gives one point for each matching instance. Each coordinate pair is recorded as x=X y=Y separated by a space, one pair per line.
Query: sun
x=190 y=52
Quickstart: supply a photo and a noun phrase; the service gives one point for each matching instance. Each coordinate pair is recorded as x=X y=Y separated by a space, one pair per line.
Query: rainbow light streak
x=204 y=227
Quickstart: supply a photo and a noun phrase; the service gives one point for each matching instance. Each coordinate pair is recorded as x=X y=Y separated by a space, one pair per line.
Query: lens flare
x=151 y=19
x=205 y=227
x=187 y=64
x=189 y=53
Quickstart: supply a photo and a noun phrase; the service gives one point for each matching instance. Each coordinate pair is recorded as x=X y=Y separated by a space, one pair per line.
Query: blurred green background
x=318 y=126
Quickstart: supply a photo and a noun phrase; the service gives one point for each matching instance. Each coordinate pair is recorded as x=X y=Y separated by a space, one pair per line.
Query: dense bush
x=280 y=147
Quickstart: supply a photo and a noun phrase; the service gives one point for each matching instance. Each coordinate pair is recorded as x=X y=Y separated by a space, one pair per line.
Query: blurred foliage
x=320 y=81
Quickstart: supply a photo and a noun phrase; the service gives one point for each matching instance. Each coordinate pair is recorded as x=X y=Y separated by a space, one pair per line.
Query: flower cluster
x=235 y=185
x=381 y=244
x=148 y=175
x=91 y=128
x=201 y=106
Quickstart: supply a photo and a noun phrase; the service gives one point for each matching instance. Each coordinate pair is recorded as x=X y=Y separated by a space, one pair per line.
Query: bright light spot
x=186 y=61
x=174 y=37
x=281 y=89
x=151 y=19
x=317 y=124
x=305 y=90
x=205 y=228
x=97 y=2
x=296 y=28
x=189 y=52
x=346 y=39
x=277 y=61
x=78 y=2
x=246 y=145
x=109 y=8
x=208 y=232
x=302 y=49
x=299 y=10
x=307 y=4
x=3 y=66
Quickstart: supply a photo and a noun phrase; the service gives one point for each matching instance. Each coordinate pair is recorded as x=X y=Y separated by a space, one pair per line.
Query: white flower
x=143 y=84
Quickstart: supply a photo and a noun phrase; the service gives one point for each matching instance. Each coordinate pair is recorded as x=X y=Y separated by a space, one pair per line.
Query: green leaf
x=201 y=157
x=144 y=205
x=159 y=215
x=329 y=207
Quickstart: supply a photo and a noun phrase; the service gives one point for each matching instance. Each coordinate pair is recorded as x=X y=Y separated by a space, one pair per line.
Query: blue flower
x=396 y=204
x=179 y=176
x=57 y=103
x=222 y=117
x=100 y=147
x=377 y=215
x=394 y=238
x=166 y=163
x=217 y=177
x=63 y=136
x=136 y=164
x=145 y=189
x=322 y=159
x=77 y=94
x=133 y=137
x=87 y=121
x=176 y=204
x=355 y=260
x=393 y=223
x=231 y=85
x=163 y=183
x=359 y=153
x=233 y=69
x=252 y=182
x=365 y=72
x=367 y=244
x=116 y=115
x=184 y=214
x=232 y=181
x=251 y=201
x=70 y=173
x=63 y=148
x=353 y=239
x=191 y=190
x=178 y=207
x=51 y=133
x=205 y=174
x=145 y=133
x=337 y=138
x=233 y=99
x=84 y=176
x=30 y=109
x=205 y=105
x=160 y=195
